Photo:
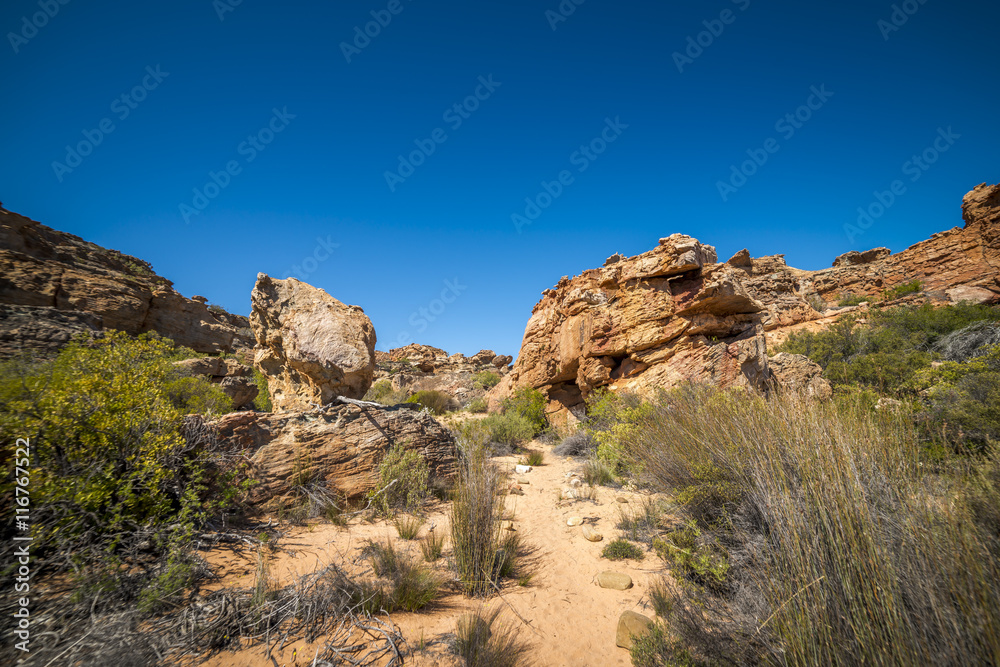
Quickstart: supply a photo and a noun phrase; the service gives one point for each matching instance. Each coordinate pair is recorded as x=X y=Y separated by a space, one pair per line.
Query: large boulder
x=659 y=319
x=310 y=346
x=339 y=446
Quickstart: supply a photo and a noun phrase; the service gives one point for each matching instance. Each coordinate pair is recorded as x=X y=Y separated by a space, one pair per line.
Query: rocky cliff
x=54 y=285
x=675 y=314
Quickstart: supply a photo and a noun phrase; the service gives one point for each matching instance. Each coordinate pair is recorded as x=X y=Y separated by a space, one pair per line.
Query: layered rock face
x=310 y=346
x=339 y=446
x=54 y=285
x=961 y=264
x=658 y=319
x=424 y=368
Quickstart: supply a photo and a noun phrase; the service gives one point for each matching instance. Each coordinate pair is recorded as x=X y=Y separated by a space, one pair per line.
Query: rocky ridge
x=418 y=367
x=54 y=285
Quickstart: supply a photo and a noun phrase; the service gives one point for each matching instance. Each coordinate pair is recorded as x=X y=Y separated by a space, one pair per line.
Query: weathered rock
x=951 y=266
x=658 y=319
x=424 y=368
x=339 y=445
x=58 y=273
x=591 y=535
x=231 y=376
x=310 y=346
x=240 y=389
x=631 y=624
x=574 y=521
x=618 y=581
x=796 y=372
x=855 y=258
x=40 y=330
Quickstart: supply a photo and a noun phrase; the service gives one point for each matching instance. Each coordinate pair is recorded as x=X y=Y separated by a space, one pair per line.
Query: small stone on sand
x=591 y=534
x=614 y=580
x=574 y=521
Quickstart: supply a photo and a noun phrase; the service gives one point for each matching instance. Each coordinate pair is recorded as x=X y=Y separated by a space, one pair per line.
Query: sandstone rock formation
x=310 y=346
x=418 y=367
x=796 y=372
x=961 y=264
x=658 y=319
x=233 y=378
x=54 y=285
x=339 y=446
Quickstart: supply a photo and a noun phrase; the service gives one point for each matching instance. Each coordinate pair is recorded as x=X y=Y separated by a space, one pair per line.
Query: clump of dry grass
x=408 y=526
x=837 y=547
x=484 y=639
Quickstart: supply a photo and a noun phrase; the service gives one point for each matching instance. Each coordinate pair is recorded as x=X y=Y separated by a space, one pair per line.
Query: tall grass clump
x=484 y=639
x=833 y=544
x=476 y=515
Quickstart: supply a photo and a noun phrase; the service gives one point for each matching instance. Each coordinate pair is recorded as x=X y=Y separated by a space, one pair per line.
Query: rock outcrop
x=54 y=285
x=796 y=372
x=961 y=264
x=339 y=446
x=310 y=346
x=658 y=319
x=424 y=368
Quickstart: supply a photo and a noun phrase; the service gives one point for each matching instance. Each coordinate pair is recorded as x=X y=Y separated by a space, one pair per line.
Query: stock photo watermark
x=22 y=554
x=122 y=106
x=786 y=126
x=714 y=28
x=223 y=7
x=915 y=167
x=454 y=115
x=581 y=158
x=310 y=263
x=901 y=13
x=249 y=149
x=381 y=18
x=37 y=21
x=422 y=317
x=559 y=15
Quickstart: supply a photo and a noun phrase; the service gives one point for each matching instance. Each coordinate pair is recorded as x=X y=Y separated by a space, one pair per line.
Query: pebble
x=631 y=623
x=574 y=521
x=622 y=499
x=522 y=469
x=591 y=534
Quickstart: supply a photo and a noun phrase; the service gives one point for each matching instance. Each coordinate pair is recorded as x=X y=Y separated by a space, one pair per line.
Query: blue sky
x=631 y=113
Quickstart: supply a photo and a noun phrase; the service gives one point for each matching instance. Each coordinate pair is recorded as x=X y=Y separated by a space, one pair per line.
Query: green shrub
x=403 y=475
x=432 y=546
x=509 y=430
x=596 y=472
x=382 y=392
x=196 y=395
x=115 y=462
x=527 y=403
x=486 y=379
x=534 y=458
x=705 y=565
x=852 y=300
x=408 y=585
x=477 y=405
x=263 y=400
x=655 y=649
x=901 y=290
x=438 y=402
x=620 y=549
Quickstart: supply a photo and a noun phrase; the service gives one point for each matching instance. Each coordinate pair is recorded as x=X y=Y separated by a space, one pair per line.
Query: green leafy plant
x=263 y=400
x=530 y=404
x=486 y=379
x=620 y=549
x=477 y=405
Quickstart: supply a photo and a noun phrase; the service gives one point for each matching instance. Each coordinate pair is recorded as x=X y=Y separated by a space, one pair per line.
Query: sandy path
x=572 y=620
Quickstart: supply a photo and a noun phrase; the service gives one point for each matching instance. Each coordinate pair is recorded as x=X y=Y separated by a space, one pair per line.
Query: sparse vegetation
x=408 y=526
x=849 y=299
x=438 y=402
x=904 y=289
x=486 y=379
x=580 y=443
x=432 y=546
x=478 y=405
x=407 y=584
x=656 y=649
x=263 y=400
x=484 y=639
x=382 y=392
x=403 y=476
x=534 y=458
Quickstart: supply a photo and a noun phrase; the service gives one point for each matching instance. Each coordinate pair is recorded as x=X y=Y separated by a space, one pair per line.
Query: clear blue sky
x=391 y=247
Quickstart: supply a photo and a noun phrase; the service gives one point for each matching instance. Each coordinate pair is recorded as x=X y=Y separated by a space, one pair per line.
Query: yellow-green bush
x=527 y=403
